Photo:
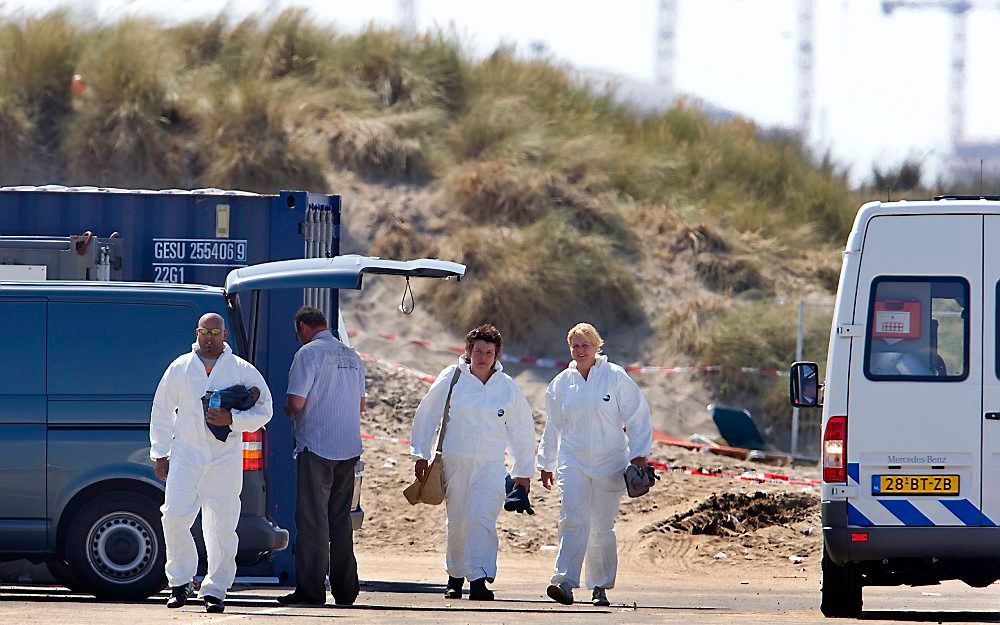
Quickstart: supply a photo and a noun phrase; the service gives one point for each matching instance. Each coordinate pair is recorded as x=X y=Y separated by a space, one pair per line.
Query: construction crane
x=806 y=31
x=666 y=33
x=959 y=10
x=407 y=11
x=666 y=50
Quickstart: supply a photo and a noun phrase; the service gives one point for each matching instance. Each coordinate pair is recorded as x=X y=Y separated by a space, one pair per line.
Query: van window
x=114 y=348
x=918 y=329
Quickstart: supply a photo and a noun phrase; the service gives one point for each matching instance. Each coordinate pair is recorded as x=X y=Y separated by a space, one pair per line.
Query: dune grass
x=549 y=188
x=38 y=57
x=122 y=128
x=525 y=279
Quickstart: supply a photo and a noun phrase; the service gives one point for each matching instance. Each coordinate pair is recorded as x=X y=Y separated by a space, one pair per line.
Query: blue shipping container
x=198 y=237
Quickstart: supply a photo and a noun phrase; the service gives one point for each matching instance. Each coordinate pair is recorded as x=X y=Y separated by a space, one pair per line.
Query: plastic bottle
x=215 y=401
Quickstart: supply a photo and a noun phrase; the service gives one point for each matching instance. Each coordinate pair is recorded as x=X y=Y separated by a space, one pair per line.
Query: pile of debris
x=732 y=514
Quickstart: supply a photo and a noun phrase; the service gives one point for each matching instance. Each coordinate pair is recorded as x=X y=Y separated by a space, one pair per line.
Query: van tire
x=114 y=546
x=840 y=593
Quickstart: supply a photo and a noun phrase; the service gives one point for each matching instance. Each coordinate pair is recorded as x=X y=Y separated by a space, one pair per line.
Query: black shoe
x=454 y=587
x=214 y=605
x=297 y=598
x=562 y=593
x=478 y=590
x=178 y=596
x=345 y=600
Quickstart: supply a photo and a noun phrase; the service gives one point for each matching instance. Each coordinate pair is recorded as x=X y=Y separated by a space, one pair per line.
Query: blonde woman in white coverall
x=202 y=472
x=597 y=422
x=488 y=415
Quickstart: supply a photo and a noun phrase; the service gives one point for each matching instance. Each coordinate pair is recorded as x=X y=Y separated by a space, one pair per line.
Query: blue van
x=82 y=361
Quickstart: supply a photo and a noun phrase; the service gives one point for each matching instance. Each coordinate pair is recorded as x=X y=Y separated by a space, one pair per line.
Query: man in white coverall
x=597 y=423
x=488 y=415
x=202 y=472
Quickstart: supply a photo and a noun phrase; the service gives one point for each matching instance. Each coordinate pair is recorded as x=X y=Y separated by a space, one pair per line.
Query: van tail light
x=253 y=450
x=835 y=450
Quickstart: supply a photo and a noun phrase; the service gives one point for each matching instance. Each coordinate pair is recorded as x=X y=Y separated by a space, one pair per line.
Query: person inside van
x=900 y=363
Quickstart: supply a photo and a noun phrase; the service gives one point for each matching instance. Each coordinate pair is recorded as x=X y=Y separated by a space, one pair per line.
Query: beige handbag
x=431 y=490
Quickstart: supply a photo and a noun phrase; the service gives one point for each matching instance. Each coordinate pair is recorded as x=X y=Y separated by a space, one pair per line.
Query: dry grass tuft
x=731 y=274
x=698 y=239
x=395 y=236
x=489 y=124
x=38 y=57
x=392 y=146
x=247 y=145
x=198 y=42
x=495 y=192
x=500 y=193
x=15 y=137
x=526 y=280
x=123 y=131
x=684 y=328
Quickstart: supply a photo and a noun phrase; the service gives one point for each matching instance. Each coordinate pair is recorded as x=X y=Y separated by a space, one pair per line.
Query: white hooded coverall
x=205 y=473
x=485 y=420
x=585 y=446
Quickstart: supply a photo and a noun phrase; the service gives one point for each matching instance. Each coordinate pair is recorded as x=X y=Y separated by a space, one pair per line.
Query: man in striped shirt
x=326 y=396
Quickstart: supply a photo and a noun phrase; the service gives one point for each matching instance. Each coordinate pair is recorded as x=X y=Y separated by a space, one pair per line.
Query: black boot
x=214 y=605
x=178 y=596
x=478 y=590
x=454 y=587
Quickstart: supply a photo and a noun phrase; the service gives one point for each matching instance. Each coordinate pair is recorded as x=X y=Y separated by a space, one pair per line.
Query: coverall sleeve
x=548 y=449
x=635 y=416
x=255 y=418
x=521 y=435
x=163 y=415
x=428 y=416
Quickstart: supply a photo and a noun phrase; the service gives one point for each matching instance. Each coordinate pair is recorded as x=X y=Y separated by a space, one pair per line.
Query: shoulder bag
x=431 y=490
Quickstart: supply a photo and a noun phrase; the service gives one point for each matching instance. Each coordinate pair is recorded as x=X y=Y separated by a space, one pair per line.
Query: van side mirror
x=804 y=386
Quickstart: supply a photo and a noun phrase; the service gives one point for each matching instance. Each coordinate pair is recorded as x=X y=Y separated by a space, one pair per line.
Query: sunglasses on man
x=212 y=331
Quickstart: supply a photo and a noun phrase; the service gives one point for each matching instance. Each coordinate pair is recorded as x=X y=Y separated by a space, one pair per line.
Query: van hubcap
x=121 y=546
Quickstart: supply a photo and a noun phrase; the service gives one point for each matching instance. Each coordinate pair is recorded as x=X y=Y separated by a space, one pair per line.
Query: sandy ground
x=721 y=525
x=403 y=585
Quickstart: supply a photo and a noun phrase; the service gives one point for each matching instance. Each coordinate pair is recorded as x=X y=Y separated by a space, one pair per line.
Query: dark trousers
x=324 y=539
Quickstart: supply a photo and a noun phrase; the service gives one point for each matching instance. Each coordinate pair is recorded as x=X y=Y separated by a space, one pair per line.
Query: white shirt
x=597 y=425
x=177 y=420
x=485 y=419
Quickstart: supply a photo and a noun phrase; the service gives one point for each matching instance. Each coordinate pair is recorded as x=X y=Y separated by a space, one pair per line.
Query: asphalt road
x=679 y=600
x=644 y=597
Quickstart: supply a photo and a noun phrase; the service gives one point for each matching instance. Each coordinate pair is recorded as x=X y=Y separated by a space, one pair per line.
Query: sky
x=881 y=82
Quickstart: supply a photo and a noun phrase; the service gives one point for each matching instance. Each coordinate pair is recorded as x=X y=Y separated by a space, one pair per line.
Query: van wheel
x=840 y=593
x=114 y=547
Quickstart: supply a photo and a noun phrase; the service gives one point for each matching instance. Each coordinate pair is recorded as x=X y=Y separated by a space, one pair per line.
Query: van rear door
x=991 y=372
x=339 y=272
x=914 y=422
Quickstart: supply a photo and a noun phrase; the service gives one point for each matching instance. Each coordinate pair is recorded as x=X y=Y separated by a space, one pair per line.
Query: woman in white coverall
x=202 y=472
x=488 y=415
x=597 y=422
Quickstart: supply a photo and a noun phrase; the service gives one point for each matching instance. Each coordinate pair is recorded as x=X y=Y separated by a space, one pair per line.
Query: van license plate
x=888 y=485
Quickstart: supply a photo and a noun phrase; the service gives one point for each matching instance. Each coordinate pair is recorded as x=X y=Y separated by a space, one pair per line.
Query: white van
x=911 y=404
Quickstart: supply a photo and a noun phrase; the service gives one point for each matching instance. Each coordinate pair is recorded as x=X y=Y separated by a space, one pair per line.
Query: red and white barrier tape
x=552 y=363
x=752 y=476
x=747 y=476
x=426 y=377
